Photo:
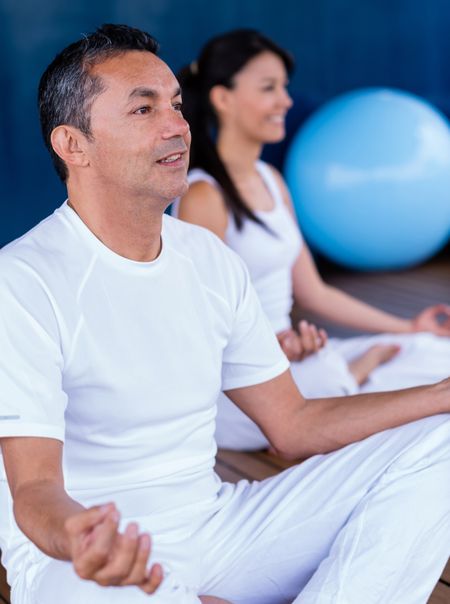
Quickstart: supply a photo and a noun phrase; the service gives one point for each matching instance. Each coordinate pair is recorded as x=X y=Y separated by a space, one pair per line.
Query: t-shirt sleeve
x=32 y=400
x=253 y=354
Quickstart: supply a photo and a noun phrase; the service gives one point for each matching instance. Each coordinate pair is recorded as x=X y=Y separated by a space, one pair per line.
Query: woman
x=235 y=100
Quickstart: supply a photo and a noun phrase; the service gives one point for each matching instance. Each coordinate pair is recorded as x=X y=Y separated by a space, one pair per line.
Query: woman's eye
x=178 y=106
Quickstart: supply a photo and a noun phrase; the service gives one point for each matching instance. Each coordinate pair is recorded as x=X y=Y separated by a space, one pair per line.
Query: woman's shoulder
x=277 y=180
x=198 y=175
x=203 y=204
x=203 y=189
x=271 y=172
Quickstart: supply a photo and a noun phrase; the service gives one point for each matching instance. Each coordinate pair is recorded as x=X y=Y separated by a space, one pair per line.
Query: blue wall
x=339 y=45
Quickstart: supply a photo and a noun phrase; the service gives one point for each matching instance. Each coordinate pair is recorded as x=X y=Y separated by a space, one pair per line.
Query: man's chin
x=173 y=193
x=181 y=189
x=166 y=191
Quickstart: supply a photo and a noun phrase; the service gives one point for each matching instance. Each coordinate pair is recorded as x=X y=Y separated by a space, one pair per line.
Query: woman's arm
x=313 y=294
x=203 y=204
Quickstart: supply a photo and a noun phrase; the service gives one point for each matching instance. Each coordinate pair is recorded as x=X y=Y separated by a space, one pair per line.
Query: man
x=119 y=327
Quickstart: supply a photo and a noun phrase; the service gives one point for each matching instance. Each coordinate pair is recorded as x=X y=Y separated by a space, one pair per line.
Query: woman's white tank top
x=269 y=255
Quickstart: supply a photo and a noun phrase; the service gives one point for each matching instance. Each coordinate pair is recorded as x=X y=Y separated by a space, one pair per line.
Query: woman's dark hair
x=219 y=61
x=67 y=88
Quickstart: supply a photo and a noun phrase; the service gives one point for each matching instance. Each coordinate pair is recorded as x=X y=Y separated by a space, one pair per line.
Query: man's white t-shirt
x=124 y=360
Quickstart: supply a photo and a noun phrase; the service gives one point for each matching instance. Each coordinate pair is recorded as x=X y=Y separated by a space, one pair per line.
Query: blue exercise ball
x=369 y=174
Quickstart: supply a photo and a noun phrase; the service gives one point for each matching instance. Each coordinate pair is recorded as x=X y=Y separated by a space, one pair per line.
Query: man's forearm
x=41 y=509
x=324 y=425
x=89 y=538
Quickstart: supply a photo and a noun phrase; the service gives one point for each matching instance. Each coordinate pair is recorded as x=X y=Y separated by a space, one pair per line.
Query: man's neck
x=130 y=230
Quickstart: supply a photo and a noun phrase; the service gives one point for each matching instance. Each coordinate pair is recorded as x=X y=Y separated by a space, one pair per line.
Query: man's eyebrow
x=143 y=91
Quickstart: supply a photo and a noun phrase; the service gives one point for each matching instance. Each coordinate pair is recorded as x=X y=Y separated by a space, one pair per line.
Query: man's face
x=140 y=139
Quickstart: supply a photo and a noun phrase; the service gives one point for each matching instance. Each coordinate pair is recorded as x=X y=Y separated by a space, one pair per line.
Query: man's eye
x=178 y=106
x=143 y=110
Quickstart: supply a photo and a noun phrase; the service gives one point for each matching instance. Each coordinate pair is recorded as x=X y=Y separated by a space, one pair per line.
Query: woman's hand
x=298 y=345
x=102 y=554
x=428 y=320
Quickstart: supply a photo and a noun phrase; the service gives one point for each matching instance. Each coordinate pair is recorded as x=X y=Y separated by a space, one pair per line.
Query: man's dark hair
x=67 y=88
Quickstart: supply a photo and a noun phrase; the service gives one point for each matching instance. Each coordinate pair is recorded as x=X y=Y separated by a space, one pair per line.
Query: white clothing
x=423 y=359
x=369 y=524
x=269 y=265
x=124 y=362
x=133 y=355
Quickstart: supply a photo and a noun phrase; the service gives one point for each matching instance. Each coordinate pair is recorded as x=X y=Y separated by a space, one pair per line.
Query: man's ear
x=219 y=97
x=70 y=144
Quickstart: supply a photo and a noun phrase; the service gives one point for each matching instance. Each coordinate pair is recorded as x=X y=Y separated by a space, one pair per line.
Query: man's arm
x=64 y=529
x=298 y=428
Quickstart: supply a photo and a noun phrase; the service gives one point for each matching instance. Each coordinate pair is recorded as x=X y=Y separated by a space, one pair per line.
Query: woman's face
x=258 y=102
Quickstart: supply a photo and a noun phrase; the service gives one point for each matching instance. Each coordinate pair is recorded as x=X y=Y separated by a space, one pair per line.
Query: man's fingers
x=111 y=558
x=138 y=573
x=154 y=579
x=121 y=560
x=95 y=549
x=86 y=520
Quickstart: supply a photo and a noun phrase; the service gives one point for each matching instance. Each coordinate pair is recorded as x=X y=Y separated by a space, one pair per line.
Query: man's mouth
x=170 y=159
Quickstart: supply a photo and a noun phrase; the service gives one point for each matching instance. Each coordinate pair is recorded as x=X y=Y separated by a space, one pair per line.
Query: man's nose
x=175 y=125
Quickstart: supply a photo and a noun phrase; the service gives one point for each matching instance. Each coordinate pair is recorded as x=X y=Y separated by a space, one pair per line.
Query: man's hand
x=428 y=320
x=308 y=340
x=102 y=554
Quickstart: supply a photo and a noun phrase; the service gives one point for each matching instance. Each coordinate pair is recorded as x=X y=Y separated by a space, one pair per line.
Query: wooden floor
x=4 y=589
x=403 y=293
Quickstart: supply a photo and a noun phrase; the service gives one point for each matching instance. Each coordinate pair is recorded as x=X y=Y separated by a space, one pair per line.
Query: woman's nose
x=287 y=100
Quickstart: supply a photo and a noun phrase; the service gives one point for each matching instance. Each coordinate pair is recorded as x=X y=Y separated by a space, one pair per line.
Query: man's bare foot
x=378 y=354
x=213 y=600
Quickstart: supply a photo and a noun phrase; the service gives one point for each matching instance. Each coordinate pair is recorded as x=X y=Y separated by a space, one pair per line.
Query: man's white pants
x=367 y=524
